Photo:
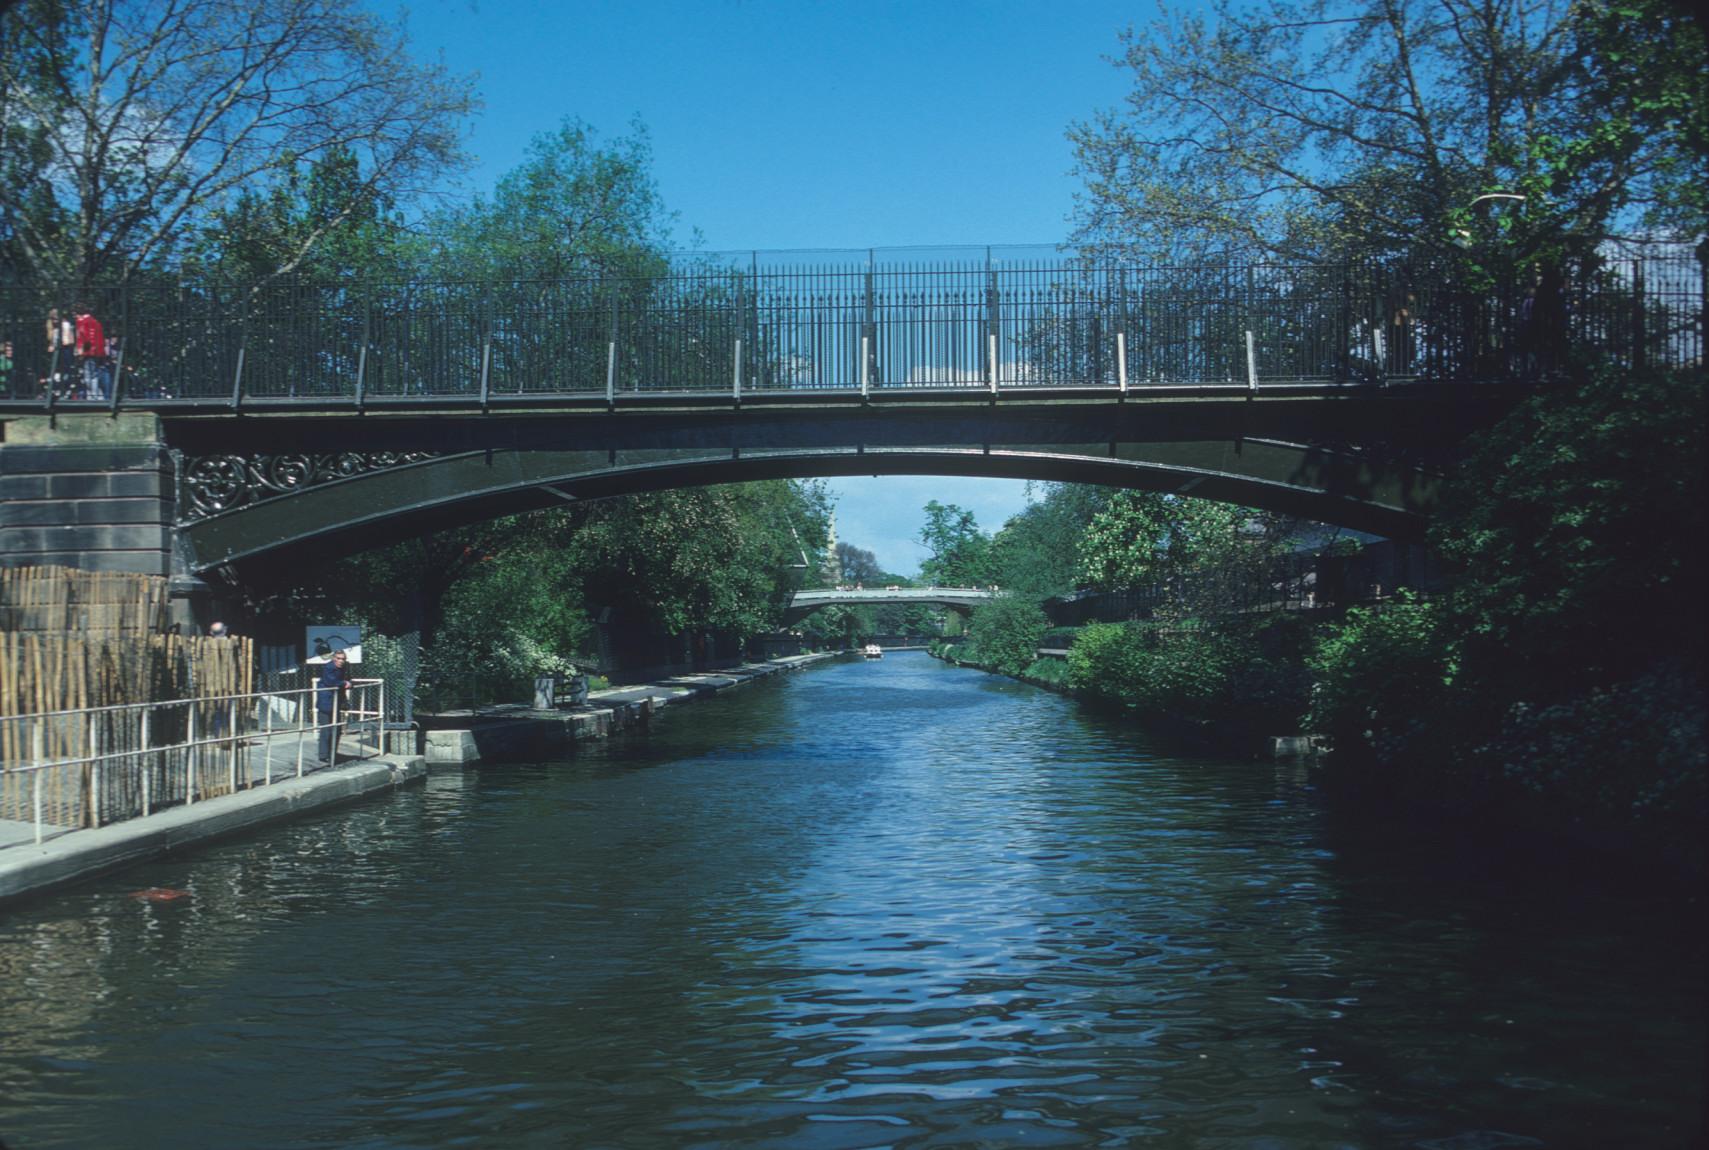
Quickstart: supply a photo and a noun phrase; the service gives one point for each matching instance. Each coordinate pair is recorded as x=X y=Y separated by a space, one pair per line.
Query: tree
x=1141 y=537
x=1037 y=552
x=574 y=207
x=141 y=120
x=719 y=558
x=1341 y=128
x=859 y=565
x=959 y=550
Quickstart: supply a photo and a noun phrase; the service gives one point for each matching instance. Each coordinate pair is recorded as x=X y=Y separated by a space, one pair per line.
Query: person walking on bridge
x=332 y=691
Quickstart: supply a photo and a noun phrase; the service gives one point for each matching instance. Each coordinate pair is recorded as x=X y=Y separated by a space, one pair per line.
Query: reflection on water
x=872 y=904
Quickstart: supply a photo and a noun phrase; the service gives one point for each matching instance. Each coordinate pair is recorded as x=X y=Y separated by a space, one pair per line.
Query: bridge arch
x=389 y=504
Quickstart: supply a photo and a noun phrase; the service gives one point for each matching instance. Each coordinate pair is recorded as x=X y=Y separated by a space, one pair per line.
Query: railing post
x=1639 y=350
x=736 y=374
x=1251 y=363
x=146 y=772
x=993 y=321
x=124 y=338
x=190 y=757
x=94 y=771
x=231 y=735
x=237 y=376
x=302 y=721
x=869 y=326
x=36 y=800
x=486 y=364
x=1121 y=362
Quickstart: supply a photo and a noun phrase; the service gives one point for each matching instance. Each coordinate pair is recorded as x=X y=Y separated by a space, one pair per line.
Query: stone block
x=23 y=487
x=26 y=460
x=128 y=562
x=144 y=510
x=36 y=513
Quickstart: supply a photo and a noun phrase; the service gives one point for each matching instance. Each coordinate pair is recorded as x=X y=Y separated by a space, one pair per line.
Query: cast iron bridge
x=962 y=600
x=282 y=422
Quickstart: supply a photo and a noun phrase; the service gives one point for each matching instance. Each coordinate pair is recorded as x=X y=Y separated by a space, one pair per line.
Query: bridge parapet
x=862 y=327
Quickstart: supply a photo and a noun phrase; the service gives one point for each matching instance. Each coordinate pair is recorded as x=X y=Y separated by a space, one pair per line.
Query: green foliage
x=128 y=127
x=1037 y=552
x=1243 y=679
x=574 y=206
x=1140 y=537
x=1379 y=672
x=1048 y=672
x=1577 y=528
x=960 y=552
x=1006 y=632
x=1633 y=753
x=1364 y=128
x=723 y=558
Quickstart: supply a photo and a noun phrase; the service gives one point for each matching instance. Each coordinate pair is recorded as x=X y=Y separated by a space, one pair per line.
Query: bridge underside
x=1350 y=458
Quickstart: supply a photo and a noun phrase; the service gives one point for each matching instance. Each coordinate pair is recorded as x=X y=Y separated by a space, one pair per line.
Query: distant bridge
x=240 y=433
x=961 y=600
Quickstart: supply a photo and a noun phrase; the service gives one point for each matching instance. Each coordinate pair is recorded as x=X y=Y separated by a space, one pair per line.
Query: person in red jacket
x=92 y=353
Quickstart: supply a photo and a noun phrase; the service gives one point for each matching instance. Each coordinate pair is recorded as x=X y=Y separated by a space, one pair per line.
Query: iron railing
x=1282 y=583
x=100 y=765
x=865 y=326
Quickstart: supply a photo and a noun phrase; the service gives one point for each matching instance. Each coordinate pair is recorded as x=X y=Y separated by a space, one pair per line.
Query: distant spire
x=833 y=565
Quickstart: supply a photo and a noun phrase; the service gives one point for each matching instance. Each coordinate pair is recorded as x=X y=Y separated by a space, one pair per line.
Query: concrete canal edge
x=516 y=734
x=28 y=869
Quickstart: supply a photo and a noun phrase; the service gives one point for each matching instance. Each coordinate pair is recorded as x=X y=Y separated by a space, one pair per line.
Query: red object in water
x=159 y=894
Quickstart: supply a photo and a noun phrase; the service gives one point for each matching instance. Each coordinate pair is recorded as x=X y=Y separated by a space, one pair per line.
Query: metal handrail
x=121 y=768
x=866 y=328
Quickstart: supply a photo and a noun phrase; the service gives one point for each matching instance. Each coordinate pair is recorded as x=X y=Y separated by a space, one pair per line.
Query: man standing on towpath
x=332 y=691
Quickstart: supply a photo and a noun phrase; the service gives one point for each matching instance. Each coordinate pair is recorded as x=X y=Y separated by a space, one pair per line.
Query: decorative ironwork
x=875 y=326
x=212 y=484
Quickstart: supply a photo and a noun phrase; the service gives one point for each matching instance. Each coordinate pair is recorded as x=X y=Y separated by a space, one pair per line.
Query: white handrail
x=131 y=760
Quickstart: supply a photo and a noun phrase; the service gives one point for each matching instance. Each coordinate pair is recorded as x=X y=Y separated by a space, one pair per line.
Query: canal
x=869 y=904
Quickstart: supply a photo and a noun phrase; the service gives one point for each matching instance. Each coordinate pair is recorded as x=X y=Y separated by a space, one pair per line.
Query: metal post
x=302 y=718
x=231 y=735
x=94 y=773
x=486 y=364
x=146 y=772
x=36 y=800
x=237 y=377
x=267 y=741
x=611 y=374
x=361 y=376
x=865 y=361
x=1639 y=356
x=1121 y=361
x=1251 y=362
x=190 y=759
x=991 y=344
x=736 y=374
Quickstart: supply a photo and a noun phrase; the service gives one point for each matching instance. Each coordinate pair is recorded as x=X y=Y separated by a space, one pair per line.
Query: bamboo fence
x=74 y=640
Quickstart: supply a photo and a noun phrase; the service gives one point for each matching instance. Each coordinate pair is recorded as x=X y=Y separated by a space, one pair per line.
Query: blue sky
x=780 y=126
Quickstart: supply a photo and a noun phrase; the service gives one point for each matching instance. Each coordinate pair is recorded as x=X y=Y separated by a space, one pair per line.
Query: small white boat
x=872 y=651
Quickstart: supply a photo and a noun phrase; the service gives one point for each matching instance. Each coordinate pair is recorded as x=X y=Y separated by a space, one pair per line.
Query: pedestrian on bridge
x=92 y=353
x=332 y=692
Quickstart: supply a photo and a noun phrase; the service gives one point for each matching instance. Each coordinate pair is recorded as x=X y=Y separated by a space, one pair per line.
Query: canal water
x=870 y=904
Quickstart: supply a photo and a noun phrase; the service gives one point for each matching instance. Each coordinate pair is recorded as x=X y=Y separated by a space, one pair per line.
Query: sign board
x=321 y=642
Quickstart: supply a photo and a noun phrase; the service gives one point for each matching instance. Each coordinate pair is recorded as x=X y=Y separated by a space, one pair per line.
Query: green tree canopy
x=1373 y=127
x=126 y=125
x=960 y=552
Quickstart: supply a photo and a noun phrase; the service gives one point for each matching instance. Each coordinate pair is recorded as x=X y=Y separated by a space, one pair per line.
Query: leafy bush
x=1377 y=672
x=1633 y=753
x=1006 y=631
x=1048 y=672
